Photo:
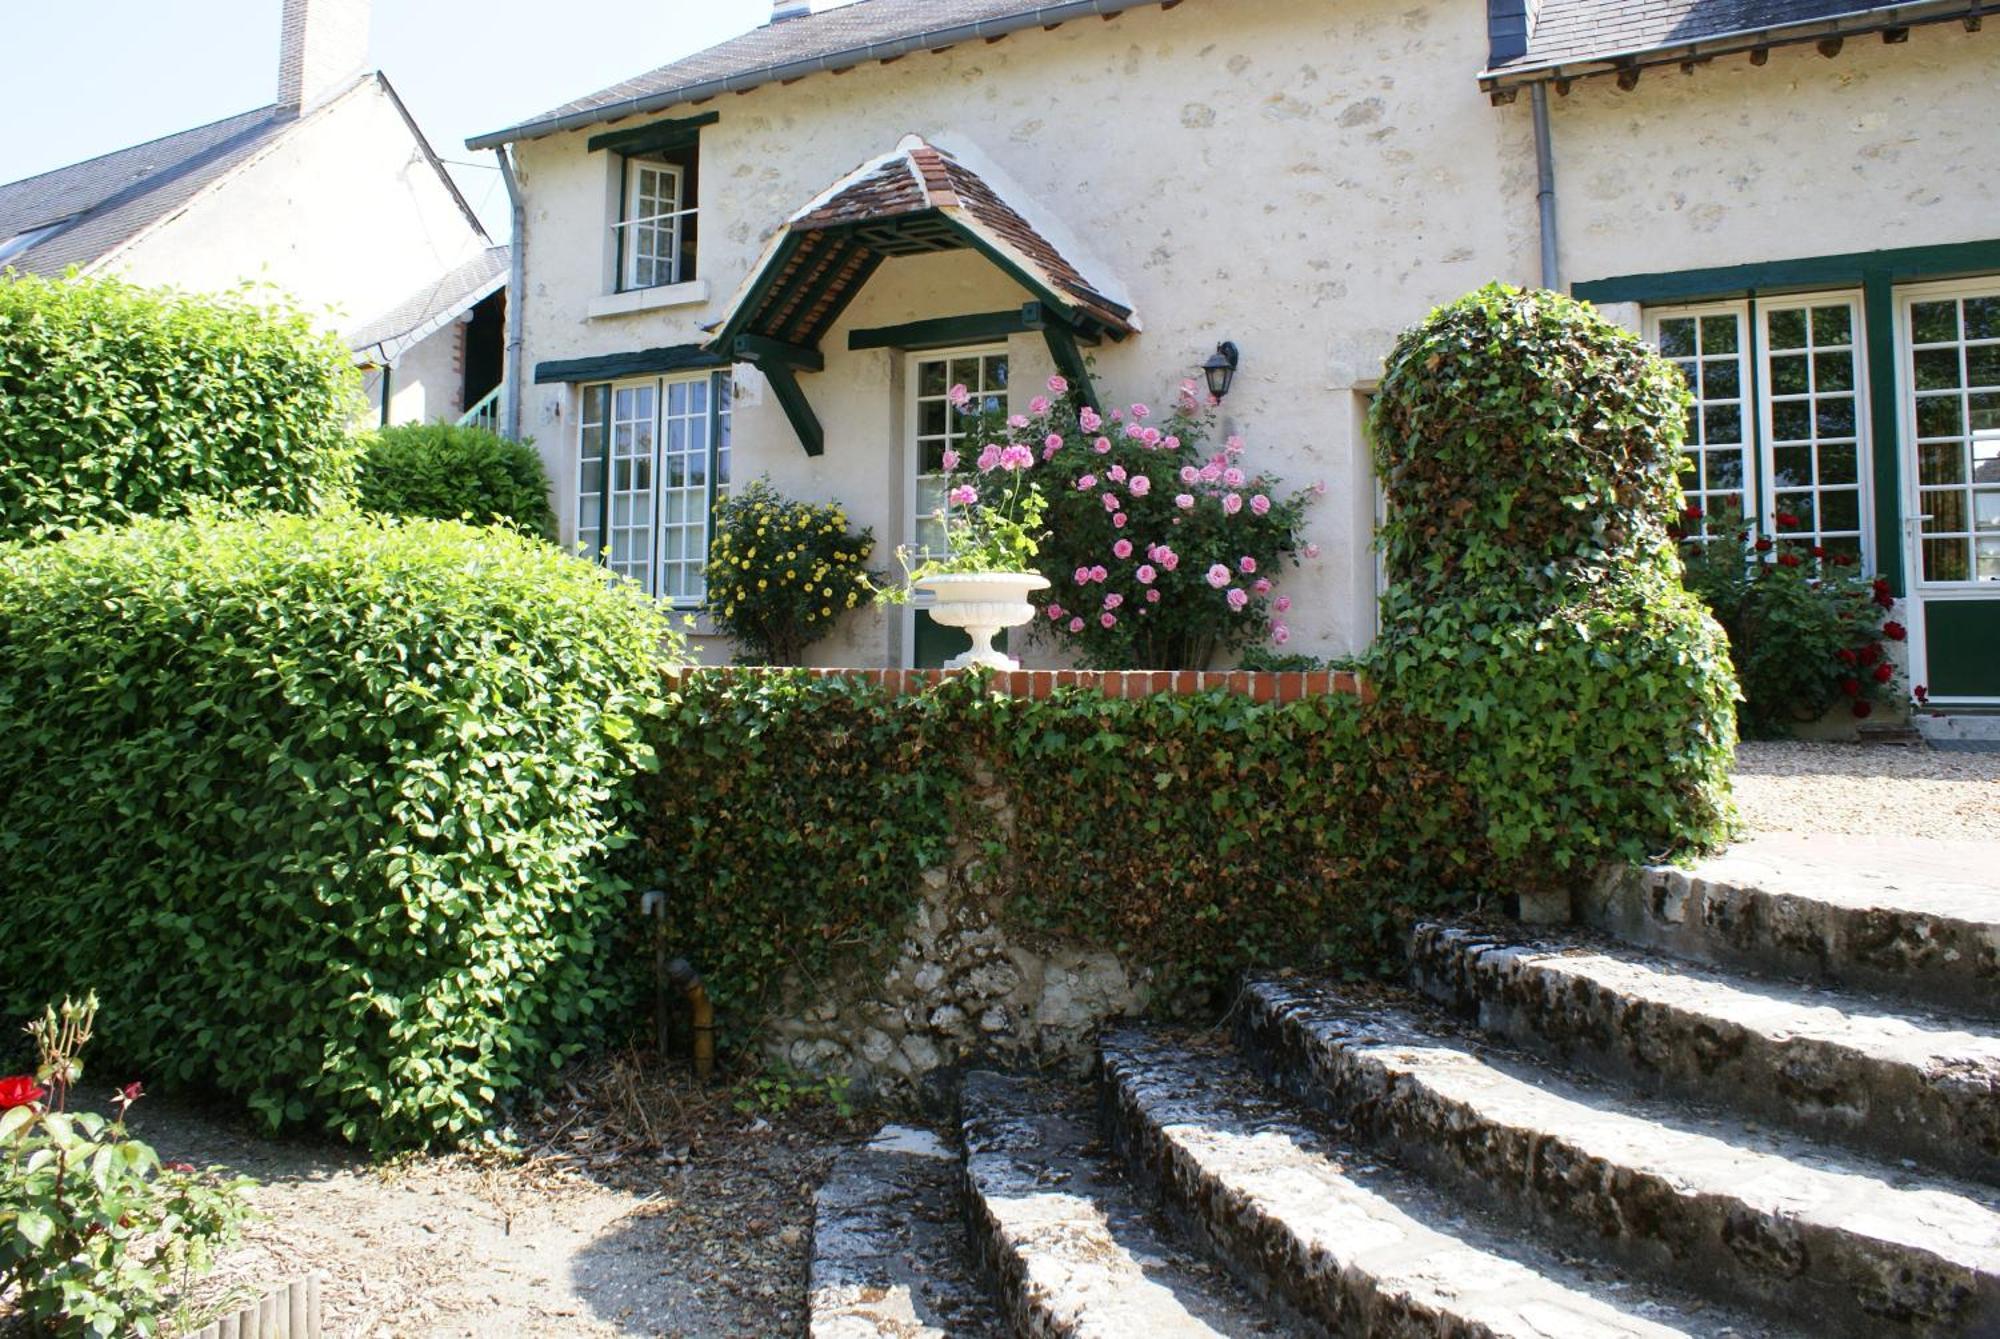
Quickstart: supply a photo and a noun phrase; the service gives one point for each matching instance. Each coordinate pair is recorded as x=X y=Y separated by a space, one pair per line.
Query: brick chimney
x=322 y=48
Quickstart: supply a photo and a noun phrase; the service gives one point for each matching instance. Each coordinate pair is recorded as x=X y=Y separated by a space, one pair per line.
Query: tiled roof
x=104 y=202
x=424 y=312
x=835 y=39
x=1578 y=32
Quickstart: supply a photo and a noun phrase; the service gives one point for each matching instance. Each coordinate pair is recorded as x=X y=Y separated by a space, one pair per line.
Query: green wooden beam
x=1069 y=360
x=785 y=385
x=768 y=353
x=809 y=288
x=1878 y=302
x=844 y=297
x=655 y=135
x=739 y=318
x=639 y=362
x=1901 y=265
x=947 y=331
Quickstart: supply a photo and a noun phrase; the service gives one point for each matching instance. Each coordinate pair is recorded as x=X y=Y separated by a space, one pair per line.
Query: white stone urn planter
x=983 y=604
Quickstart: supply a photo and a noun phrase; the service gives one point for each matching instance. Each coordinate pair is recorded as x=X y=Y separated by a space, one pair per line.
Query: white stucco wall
x=1300 y=176
x=1882 y=146
x=343 y=214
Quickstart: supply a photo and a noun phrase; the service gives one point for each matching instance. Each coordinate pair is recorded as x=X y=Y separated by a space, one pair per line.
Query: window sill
x=691 y=293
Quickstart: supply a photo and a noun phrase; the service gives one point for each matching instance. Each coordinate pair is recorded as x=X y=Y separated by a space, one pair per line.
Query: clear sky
x=91 y=76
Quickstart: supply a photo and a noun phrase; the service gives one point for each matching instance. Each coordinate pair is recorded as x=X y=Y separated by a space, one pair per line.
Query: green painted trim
x=949 y=331
x=785 y=385
x=753 y=301
x=609 y=367
x=1902 y=265
x=654 y=136
x=1069 y=360
x=767 y=353
x=1885 y=420
x=1959 y=637
x=1067 y=310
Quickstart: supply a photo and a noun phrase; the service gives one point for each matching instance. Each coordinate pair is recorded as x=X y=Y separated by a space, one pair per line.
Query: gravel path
x=1867 y=790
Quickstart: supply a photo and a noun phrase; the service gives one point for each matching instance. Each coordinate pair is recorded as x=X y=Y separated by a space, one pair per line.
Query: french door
x=933 y=428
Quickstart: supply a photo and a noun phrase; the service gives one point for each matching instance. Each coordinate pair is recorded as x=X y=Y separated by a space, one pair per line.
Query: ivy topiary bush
x=1529 y=450
x=449 y=473
x=118 y=402
x=320 y=806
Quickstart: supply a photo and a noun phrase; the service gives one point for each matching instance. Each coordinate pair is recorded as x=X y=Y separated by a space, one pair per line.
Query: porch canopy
x=912 y=201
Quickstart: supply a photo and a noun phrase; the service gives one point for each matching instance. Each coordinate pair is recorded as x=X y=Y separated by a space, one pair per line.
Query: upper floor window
x=658 y=219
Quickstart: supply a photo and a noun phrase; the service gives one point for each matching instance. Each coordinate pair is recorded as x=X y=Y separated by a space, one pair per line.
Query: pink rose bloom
x=964 y=495
x=1211 y=472
x=1053 y=441
x=1058 y=386
x=1039 y=405
x=1018 y=421
x=1116 y=474
x=1168 y=558
x=1147 y=576
x=1232 y=503
x=1118 y=519
x=1185 y=501
x=959 y=395
x=1280 y=633
x=1049 y=452
x=1055 y=613
x=1190 y=475
x=1083 y=576
x=950 y=461
x=1098 y=573
x=1263 y=586
x=1086 y=483
x=1188 y=393
x=1102 y=446
x=1319 y=488
x=1260 y=505
x=1076 y=625
x=1218 y=576
x=1170 y=443
x=1247 y=565
x=1016 y=458
x=1152 y=597
x=1234 y=446
x=989 y=459
x=1233 y=477
x=1113 y=600
x=1140 y=411
x=1109 y=620
x=1134 y=432
x=1088 y=420
x=1151 y=437
x=1122 y=549
x=1140 y=485
x=1283 y=604
x=1238 y=597
x=1312 y=550
x=1111 y=502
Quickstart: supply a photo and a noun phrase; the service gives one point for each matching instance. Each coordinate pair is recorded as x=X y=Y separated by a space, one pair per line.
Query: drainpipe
x=1545 y=177
x=517 y=295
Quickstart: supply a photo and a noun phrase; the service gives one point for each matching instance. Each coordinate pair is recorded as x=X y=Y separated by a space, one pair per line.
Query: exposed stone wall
x=960 y=987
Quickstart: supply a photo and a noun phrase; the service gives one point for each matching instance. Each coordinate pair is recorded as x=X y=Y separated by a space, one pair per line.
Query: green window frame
x=653 y=461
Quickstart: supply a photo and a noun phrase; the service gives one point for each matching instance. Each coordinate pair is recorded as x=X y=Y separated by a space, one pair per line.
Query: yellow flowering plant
x=781 y=573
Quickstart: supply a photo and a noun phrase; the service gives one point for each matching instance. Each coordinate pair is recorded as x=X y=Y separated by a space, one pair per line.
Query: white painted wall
x=1883 y=146
x=343 y=214
x=1267 y=171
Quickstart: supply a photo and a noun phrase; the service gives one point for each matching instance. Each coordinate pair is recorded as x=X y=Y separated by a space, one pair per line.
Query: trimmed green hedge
x=449 y=473
x=320 y=806
x=118 y=402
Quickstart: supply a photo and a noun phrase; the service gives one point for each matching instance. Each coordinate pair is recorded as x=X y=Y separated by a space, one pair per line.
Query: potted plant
x=982 y=581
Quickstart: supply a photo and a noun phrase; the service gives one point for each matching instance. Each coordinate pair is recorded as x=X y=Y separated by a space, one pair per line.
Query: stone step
x=1349 y=1241
x=1916 y=919
x=1833 y=1065
x=1827 y=1240
x=1069 y=1244
x=890 y=1257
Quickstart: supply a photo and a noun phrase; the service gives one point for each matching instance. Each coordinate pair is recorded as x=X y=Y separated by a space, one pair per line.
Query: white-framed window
x=656 y=221
x=1711 y=346
x=652 y=462
x=936 y=427
x=1950 y=336
x=1813 y=417
x=1779 y=423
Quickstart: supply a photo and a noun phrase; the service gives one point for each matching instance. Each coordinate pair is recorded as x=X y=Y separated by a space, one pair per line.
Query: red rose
x=1845 y=656
x=1692 y=513
x=1894 y=631
x=1921 y=693
x=1851 y=687
x=1885 y=599
x=1818 y=552
x=1863 y=710
x=20 y=1090
x=1881 y=585
x=1844 y=559
x=1871 y=653
x=1787 y=521
x=1884 y=672
x=1763 y=546
x=1788 y=560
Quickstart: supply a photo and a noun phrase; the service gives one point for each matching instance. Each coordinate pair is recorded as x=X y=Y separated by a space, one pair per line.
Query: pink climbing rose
x=1218 y=575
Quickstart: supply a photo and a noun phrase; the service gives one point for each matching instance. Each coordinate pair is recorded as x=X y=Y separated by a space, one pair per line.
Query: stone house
x=771 y=257
x=330 y=196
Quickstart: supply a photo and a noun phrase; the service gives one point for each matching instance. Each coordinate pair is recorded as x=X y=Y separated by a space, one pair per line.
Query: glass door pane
x=1953 y=374
x=1816 y=460
x=937 y=427
x=1711 y=347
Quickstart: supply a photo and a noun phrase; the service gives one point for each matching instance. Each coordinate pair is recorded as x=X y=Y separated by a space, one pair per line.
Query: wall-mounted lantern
x=1220 y=369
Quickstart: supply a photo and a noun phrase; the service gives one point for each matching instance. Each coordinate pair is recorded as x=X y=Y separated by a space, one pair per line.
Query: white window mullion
x=1813 y=414
x=1711 y=345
